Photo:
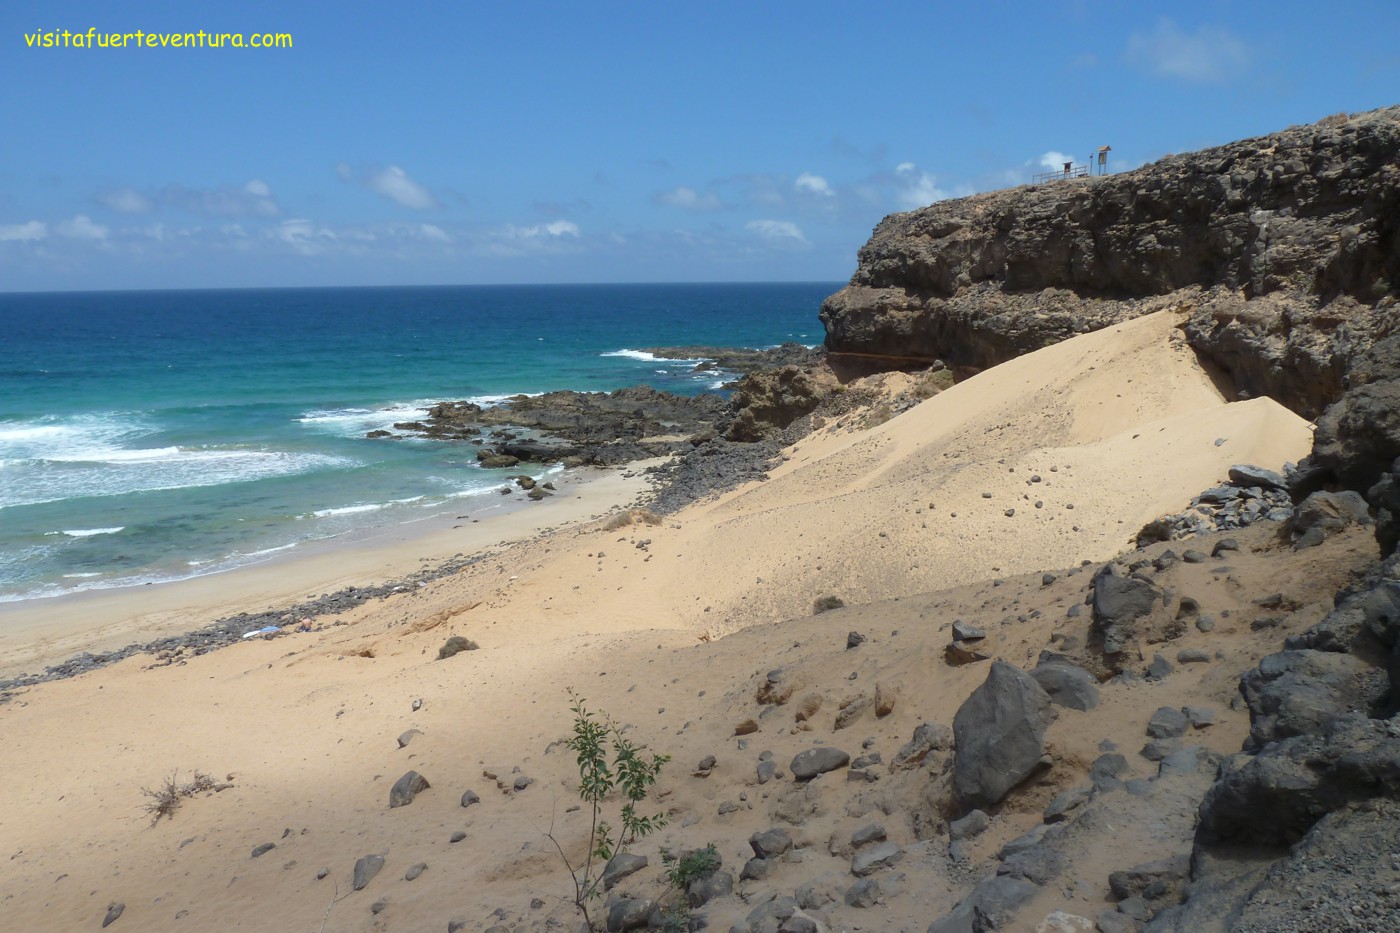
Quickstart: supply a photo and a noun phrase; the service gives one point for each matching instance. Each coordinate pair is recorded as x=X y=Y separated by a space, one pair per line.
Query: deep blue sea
x=149 y=436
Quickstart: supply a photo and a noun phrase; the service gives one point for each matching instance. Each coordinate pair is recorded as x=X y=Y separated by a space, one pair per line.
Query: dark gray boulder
x=406 y=788
x=1246 y=475
x=620 y=866
x=628 y=913
x=814 y=761
x=999 y=734
x=708 y=887
x=1118 y=603
x=991 y=906
x=1275 y=797
x=1036 y=864
x=1167 y=723
x=770 y=844
x=872 y=859
x=1067 y=684
x=928 y=737
x=365 y=870
x=1298 y=692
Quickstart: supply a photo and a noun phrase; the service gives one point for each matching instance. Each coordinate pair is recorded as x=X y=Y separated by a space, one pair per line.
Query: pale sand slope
x=306 y=724
x=40 y=632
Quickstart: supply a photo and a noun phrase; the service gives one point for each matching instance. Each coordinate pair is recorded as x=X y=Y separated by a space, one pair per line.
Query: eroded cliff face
x=1284 y=249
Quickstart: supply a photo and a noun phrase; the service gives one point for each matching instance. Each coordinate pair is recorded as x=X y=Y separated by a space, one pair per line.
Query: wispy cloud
x=390 y=182
x=557 y=228
x=253 y=199
x=126 y=201
x=778 y=231
x=916 y=188
x=813 y=184
x=394 y=184
x=81 y=227
x=1207 y=56
x=687 y=198
x=23 y=233
x=1054 y=160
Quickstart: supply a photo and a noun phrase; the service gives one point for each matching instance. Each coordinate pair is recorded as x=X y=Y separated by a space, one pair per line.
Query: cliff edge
x=1285 y=249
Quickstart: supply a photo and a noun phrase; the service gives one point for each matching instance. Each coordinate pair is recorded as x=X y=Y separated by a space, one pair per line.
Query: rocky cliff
x=1285 y=248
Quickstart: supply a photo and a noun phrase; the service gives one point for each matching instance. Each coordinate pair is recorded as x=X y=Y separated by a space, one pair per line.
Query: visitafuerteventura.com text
x=141 y=39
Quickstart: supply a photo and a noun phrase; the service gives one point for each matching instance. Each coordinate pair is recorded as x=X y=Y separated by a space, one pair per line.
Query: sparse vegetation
x=633 y=516
x=682 y=870
x=166 y=799
x=823 y=603
x=632 y=771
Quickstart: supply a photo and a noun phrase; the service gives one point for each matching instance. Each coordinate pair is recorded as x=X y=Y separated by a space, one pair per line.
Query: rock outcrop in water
x=1284 y=248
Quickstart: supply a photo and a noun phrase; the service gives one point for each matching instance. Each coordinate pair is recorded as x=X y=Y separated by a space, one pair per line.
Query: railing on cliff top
x=1071 y=170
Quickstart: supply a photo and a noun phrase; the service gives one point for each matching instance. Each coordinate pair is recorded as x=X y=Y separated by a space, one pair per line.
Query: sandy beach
x=955 y=509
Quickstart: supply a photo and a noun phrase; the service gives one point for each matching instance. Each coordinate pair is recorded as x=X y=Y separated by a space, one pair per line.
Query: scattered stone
x=1199 y=716
x=999 y=732
x=407 y=737
x=1106 y=769
x=456 y=837
x=1223 y=545
x=470 y=797
x=767 y=770
x=777 y=688
x=851 y=709
x=885 y=698
x=814 y=761
x=1193 y=656
x=870 y=832
x=1036 y=864
x=1154 y=881
x=628 y=913
x=808 y=708
x=414 y=871
x=522 y=782
x=708 y=887
x=872 y=859
x=406 y=788
x=770 y=844
x=706 y=765
x=1159 y=668
x=747 y=727
x=928 y=737
x=854 y=640
x=756 y=869
x=964 y=632
x=1192 y=556
x=365 y=870
x=114 y=911
x=1047 y=578
x=1059 y=809
x=1060 y=922
x=621 y=866
x=970 y=826
x=456 y=645
x=1067 y=684
x=1167 y=723
x=263 y=849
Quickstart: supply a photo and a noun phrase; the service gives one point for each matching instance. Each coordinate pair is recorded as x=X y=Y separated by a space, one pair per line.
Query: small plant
x=166 y=799
x=685 y=868
x=631 y=771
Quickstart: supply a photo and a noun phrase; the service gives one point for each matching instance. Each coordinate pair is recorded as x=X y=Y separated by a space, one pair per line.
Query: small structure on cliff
x=1073 y=169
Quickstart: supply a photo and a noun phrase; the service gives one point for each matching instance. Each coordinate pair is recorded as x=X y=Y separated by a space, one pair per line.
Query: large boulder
x=999 y=735
x=1118 y=603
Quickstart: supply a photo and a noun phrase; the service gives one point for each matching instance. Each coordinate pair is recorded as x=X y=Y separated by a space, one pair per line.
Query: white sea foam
x=646 y=357
x=80 y=576
x=357 y=422
x=87 y=532
x=349 y=510
x=124 y=472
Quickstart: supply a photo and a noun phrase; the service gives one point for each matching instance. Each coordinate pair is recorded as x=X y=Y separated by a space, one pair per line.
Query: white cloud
x=916 y=188
x=23 y=233
x=434 y=233
x=304 y=236
x=813 y=184
x=689 y=199
x=81 y=227
x=1206 y=56
x=1054 y=160
x=394 y=184
x=126 y=201
x=557 y=228
x=778 y=231
x=253 y=199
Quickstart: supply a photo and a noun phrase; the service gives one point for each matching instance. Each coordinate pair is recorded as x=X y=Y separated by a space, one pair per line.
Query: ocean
x=153 y=436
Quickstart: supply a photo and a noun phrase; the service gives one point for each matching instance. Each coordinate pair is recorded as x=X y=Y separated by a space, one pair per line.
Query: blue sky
x=435 y=143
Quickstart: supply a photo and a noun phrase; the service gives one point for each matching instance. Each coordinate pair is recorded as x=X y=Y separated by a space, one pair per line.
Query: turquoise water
x=150 y=436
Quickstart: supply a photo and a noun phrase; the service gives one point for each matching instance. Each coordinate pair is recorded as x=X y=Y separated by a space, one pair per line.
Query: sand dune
x=1121 y=424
